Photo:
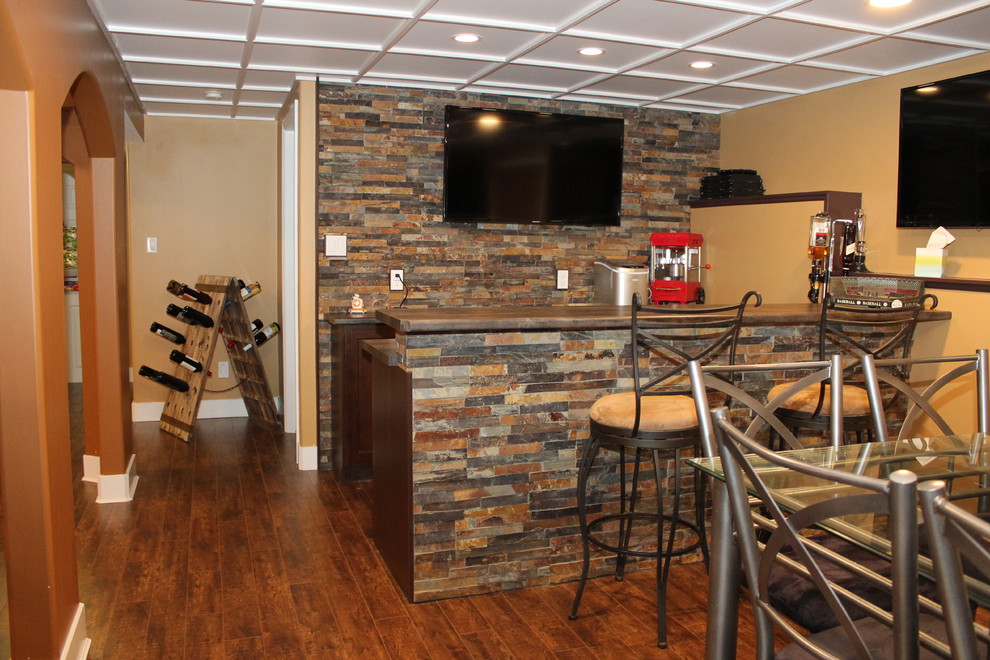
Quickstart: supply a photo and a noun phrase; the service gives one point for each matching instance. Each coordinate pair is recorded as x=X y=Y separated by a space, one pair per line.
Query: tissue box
x=929 y=262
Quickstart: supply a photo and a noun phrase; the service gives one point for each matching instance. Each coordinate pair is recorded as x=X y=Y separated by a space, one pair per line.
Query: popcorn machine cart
x=675 y=268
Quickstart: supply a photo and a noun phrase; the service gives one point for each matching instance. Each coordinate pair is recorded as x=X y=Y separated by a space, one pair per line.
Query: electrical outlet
x=223 y=369
x=563 y=279
x=395 y=280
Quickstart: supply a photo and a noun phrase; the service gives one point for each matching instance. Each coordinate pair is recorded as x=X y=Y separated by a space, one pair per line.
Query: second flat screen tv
x=517 y=167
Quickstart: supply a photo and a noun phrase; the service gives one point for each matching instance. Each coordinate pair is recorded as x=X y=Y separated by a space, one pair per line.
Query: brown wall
x=381 y=167
x=34 y=438
x=206 y=189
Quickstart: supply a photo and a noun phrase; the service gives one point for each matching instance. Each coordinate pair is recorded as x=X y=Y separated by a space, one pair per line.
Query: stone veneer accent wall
x=381 y=178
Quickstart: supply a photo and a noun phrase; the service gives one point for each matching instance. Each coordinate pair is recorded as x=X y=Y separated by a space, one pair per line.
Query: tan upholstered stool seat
x=855 y=401
x=659 y=413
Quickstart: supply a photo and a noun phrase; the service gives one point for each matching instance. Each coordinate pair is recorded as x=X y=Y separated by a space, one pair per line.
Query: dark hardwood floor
x=229 y=551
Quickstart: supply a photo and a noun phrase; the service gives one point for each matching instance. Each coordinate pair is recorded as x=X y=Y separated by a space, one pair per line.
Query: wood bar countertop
x=430 y=320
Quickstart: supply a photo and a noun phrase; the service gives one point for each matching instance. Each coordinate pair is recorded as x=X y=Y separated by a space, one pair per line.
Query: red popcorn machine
x=675 y=268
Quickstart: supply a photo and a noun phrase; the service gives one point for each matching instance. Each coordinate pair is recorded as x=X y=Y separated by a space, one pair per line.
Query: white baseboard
x=77 y=643
x=118 y=487
x=91 y=468
x=307 y=458
x=151 y=411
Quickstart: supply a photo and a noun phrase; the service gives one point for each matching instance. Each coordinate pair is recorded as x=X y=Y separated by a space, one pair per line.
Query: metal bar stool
x=657 y=417
x=885 y=332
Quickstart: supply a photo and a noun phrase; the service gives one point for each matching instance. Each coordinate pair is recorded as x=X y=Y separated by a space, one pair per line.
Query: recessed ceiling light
x=466 y=38
x=702 y=64
x=591 y=51
x=888 y=3
x=214 y=95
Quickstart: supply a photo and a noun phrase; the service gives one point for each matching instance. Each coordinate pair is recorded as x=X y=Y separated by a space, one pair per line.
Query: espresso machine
x=675 y=268
x=836 y=247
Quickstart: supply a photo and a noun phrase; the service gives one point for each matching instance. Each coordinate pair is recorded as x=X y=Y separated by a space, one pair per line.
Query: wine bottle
x=184 y=360
x=168 y=333
x=186 y=292
x=165 y=379
x=249 y=290
x=267 y=333
x=189 y=315
x=256 y=325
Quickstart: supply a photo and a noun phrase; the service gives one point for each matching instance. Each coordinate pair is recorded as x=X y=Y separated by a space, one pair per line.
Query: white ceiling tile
x=661 y=23
x=373 y=7
x=134 y=46
x=260 y=79
x=971 y=29
x=640 y=87
x=859 y=14
x=594 y=98
x=495 y=44
x=800 y=79
x=308 y=58
x=320 y=27
x=539 y=77
x=545 y=14
x=438 y=69
x=188 y=109
x=618 y=56
x=678 y=65
x=202 y=17
x=507 y=91
x=255 y=97
x=891 y=55
x=182 y=93
x=732 y=97
x=204 y=75
x=255 y=112
x=785 y=40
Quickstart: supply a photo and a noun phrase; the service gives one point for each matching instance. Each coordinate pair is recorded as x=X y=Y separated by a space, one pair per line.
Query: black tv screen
x=944 y=162
x=511 y=166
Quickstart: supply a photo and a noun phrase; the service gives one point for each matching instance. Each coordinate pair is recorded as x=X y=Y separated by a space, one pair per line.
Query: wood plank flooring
x=229 y=551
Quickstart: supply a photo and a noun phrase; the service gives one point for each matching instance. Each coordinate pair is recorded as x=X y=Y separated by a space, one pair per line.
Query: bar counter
x=477 y=419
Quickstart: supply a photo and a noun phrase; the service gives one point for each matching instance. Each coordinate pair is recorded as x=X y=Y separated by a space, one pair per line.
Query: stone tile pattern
x=500 y=422
x=380 y=183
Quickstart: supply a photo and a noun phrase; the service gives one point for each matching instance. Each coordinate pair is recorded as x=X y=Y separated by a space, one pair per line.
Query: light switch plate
x=152 y=245
x=563 y=279
x=335 y=246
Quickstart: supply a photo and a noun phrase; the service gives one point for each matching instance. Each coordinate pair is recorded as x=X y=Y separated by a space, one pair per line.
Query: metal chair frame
x=659 y=358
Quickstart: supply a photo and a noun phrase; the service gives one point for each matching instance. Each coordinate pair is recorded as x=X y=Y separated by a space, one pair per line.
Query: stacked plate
x=731 y=183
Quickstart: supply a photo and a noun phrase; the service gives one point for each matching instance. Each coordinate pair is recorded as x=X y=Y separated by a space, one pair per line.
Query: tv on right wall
x=944 y=161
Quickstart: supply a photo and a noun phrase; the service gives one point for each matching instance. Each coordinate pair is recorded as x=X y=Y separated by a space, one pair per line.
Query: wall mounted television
x=521 y=167
x=944 y=161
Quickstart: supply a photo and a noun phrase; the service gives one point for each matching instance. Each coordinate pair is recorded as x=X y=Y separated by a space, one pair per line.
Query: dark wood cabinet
x=350 y=394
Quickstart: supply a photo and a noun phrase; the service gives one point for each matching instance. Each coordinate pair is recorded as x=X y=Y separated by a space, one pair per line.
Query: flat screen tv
x=944 y=162
x=517 y=167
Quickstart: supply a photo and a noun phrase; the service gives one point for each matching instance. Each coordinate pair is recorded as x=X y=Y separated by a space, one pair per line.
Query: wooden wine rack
x=228 y=312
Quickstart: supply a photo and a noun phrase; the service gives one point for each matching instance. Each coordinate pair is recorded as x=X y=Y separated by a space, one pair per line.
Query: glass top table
x=963 y=461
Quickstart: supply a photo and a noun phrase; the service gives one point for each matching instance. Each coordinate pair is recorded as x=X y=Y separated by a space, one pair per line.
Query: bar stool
x=852 y=331
x=657 y=417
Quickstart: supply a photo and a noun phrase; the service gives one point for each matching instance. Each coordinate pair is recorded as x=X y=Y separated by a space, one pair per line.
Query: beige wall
x=206 y=189
x=846 y=139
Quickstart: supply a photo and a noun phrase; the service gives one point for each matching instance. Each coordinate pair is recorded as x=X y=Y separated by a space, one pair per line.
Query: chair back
x=894 y=372
x=665 y=338
x=957 y=539
x=750 y=409
x=750 y=469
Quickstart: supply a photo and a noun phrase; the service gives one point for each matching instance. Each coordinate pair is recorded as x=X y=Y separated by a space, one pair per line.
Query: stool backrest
x=665 y=338
x=957 y=539
x=895 y=373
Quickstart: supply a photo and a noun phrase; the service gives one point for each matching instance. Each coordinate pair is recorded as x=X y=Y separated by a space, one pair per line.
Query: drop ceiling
x=249 y=52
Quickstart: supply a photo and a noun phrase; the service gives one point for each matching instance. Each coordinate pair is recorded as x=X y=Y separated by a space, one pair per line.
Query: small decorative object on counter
x=165 y=379
x=189 y=315
x=168 y=333
x=357 y=305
